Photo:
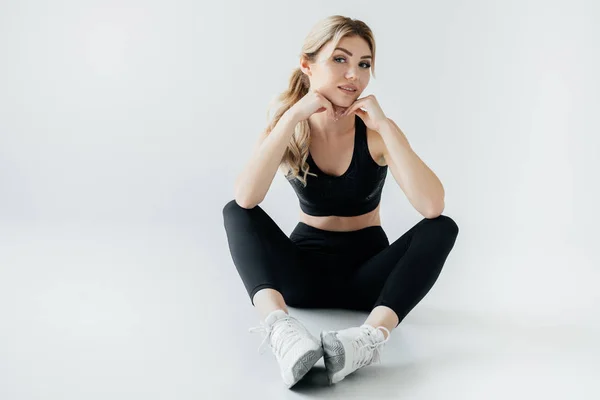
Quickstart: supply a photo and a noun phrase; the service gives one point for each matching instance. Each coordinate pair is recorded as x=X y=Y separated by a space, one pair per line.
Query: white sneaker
x=350 y=349
x=293 y=345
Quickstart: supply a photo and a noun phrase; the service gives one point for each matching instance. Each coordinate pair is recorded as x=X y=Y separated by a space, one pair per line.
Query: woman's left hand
x=369 y=110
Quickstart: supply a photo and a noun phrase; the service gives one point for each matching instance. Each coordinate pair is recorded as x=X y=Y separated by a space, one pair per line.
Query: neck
x=326 y=128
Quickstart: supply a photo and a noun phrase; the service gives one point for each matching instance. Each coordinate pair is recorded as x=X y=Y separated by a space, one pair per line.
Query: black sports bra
x=357 y=191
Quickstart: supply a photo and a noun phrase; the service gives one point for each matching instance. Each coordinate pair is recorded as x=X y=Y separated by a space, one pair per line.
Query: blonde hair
x=332 y=28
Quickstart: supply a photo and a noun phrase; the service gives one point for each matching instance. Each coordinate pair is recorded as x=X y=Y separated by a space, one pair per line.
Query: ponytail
x=296 y=153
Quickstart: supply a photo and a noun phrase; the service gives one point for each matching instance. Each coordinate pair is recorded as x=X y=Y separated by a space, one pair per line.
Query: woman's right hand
x=312 y=102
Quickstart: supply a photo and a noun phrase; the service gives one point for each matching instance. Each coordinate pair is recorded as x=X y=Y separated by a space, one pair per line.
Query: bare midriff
x=343 y=224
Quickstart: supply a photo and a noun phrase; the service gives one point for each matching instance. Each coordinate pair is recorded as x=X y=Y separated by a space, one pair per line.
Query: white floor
x=151 y=313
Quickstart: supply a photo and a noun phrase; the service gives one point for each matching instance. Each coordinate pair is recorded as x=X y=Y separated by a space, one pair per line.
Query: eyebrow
x=350 y=54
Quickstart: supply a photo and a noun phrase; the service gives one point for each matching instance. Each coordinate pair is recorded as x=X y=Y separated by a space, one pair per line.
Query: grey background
x=123 y=125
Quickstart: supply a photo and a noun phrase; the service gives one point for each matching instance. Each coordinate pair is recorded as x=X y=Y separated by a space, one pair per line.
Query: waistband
x=309 y=230
x=354 y=245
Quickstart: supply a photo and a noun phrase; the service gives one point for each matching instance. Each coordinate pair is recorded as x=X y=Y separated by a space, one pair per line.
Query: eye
x=363 y=64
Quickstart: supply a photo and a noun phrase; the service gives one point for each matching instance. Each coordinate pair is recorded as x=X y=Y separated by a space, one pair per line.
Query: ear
x=305 y=66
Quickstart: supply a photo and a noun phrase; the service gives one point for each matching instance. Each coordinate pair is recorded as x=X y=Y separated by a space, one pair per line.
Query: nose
x=351 y=73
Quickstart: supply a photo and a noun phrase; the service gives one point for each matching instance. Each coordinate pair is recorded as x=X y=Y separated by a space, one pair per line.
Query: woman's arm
x=420 y=184
x=253 y=183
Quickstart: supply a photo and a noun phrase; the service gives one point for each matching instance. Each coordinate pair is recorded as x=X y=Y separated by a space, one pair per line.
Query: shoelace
x=365 y=341
x=282 y=329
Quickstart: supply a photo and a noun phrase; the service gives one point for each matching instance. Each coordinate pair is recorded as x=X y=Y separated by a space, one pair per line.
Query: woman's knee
x=449 y=225
x=442 y=224
x=232 y=207
x=236 y=217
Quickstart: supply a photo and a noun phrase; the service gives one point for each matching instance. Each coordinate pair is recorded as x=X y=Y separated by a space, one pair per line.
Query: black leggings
x=356 y=270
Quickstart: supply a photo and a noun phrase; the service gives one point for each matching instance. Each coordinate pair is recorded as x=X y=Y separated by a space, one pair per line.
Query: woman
x=338 y=255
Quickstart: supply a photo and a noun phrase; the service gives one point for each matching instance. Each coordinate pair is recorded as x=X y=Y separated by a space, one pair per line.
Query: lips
x=351 y=88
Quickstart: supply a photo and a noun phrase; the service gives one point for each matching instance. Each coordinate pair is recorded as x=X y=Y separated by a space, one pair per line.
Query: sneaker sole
x=335 y=356
x=304 y=364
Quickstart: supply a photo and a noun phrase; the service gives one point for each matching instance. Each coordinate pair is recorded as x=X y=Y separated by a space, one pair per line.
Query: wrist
x=383 y=125
x=291 y=116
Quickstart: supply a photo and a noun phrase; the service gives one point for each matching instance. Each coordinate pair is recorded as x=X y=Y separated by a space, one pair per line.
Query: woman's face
x=348 y=65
